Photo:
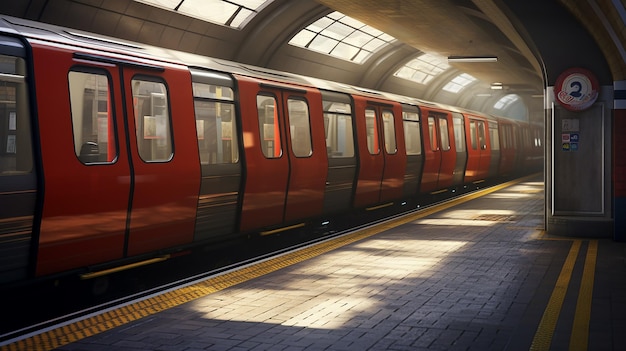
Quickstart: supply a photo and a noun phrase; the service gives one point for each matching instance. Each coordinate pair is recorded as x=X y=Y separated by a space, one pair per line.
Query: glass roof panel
x=338 y=31
x=506 y=101
x=231 y=13
x=459 y=82
x=322 y=43
x=423 y=68
x=355 y=41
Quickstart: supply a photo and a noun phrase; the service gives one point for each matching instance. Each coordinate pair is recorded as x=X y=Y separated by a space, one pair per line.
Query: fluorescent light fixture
x=472 y=59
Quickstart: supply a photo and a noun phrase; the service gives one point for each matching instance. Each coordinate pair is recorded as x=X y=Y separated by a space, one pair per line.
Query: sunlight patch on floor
x=320 y=293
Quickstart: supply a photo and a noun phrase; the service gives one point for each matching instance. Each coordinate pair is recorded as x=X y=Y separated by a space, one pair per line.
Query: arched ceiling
x=443 y=27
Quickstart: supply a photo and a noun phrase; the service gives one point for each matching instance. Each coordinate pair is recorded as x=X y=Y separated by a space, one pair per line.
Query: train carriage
x=116 y=153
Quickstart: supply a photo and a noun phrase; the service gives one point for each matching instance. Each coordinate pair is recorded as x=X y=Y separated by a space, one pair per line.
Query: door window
x=92 y=117
x=338 y=129
x=432 y=133
x=299 y=127
x=459 y=133
x=152 y=120
x=268 y=126
x=216 y=125
x=494 y=136
x=372 y=132
x=473 y=139
x=481 y=135
x=412 y=135
x=390 y=132
x=443 y=132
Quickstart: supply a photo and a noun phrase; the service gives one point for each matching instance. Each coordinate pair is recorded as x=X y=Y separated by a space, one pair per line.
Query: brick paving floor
x=473 y=277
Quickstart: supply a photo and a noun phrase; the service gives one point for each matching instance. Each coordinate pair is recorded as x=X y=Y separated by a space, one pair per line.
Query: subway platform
x=479 y=274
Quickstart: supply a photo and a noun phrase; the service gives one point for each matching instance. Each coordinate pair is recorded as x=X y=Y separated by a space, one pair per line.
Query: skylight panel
x=458 y=83
x=506 y=101
x=341 y=36
x=231 y=13
x=423 y=69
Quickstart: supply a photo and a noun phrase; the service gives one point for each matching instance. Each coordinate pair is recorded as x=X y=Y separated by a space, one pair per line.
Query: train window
x=16 y=153
x=92 y=117
x=443 y=132
x=473 y=139
x=152 y=120
x=299 y=127
x=494 y=136
x=216 y=125
x=268 y=126
x=412 y=137
x=432 y=133
x=338 y=129
x=372 y=132
x=459 y=132
x=390 y=132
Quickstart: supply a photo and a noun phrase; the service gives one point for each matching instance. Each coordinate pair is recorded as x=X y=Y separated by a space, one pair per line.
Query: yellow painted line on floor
x=580 y=330
x=76 y=331
x=545 y=331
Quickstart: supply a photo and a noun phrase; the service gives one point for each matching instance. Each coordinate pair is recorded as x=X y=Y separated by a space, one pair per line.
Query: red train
x=114 y=153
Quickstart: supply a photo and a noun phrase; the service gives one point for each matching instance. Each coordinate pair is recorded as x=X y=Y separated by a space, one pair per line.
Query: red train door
x=382 y=157
x=164 y=156
x=478 y=161
x=86 y=167
x=440 y=154
x=285 y=154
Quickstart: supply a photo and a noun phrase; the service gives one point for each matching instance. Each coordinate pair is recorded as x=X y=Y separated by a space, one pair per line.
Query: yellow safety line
x=97 y=324
x=543 y=336
x=580 y=330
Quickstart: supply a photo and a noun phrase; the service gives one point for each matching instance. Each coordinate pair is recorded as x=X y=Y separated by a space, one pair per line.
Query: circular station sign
x=576 y=89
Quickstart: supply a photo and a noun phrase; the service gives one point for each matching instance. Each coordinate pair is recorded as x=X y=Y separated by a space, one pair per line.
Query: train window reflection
x=92 y=118
x=390 y=132
x=372 y=132
x=152 y=120
x=412 y=137
x=299 y=127
x=16 y=152
x=269 y=128
x=216 y=125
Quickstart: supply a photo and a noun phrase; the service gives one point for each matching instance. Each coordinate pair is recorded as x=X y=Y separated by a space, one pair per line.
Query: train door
x=218 y=145
x=342 y=158
x=494 y=139
x=286 y=165
x=413 y=145
x=164 y=157
x=440 y=158
x=507 y=152
x=18 y=172
x=85 y=163
x=478 y=150
x=461 y=148
x=381 y=162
